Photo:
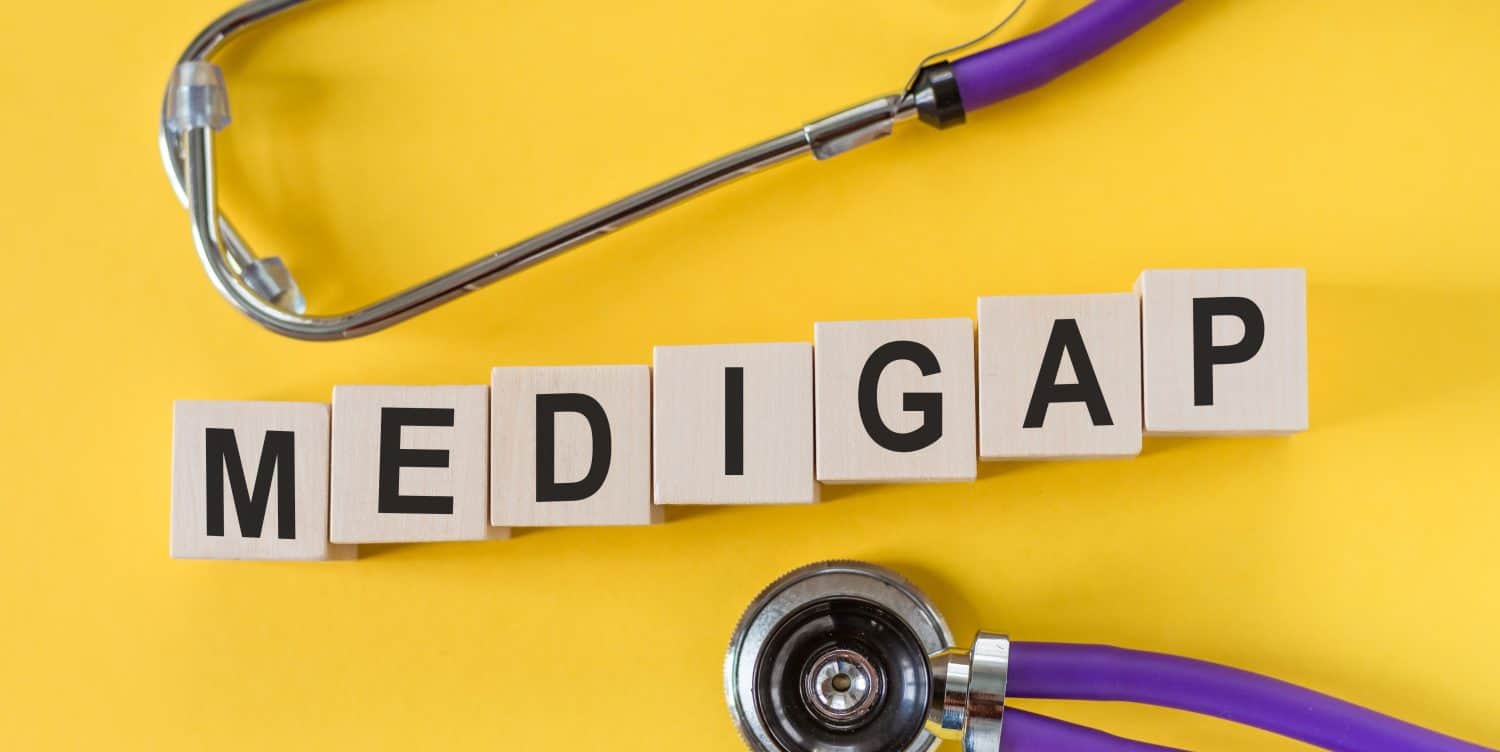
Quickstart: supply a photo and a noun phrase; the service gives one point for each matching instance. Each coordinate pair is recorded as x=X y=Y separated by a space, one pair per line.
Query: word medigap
x=1060 y=376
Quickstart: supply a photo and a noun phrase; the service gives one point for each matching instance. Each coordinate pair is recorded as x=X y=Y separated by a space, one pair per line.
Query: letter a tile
x=1059 y=376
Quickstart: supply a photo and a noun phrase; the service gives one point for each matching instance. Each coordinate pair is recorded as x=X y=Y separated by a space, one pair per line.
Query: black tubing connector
x=939 y=103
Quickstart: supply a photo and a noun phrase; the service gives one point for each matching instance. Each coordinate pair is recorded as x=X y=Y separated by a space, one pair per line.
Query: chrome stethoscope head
x=844 y=656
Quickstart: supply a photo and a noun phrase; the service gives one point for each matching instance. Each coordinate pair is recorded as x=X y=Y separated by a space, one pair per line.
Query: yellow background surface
x=382 y=141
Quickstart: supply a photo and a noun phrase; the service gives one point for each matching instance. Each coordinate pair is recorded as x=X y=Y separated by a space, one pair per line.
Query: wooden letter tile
x=733 y=424
x=895 y=400
x=571 y=446
x=1225 y=351
x=250 y=481
x=1059 y=376
x=411 y=464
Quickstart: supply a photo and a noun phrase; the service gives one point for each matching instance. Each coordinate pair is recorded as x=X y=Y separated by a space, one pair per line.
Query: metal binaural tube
x=264 y=291
x=215 y=245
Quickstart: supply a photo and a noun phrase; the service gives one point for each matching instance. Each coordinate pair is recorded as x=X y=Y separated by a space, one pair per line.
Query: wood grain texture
x=624 y=498
x=846 y=451
x=772 y=456
x=1266 y=394
x=359 y=440
x=1014 y=335
x=302 y=429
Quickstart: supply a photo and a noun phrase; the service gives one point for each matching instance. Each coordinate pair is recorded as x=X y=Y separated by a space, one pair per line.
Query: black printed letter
x=1066 y=338
x=547 y=408
x=393 y=458
x=734 y=421
x=1206 y=355
x=930 y=404
x=277 y=456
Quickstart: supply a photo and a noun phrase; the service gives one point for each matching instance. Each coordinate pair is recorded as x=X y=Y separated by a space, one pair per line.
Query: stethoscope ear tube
x=196 y=107
x=816 y=629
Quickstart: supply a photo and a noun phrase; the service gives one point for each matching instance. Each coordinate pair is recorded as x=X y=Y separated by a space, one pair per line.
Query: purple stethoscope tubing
x=1055 y=671
x=1023 y=64
x=1043 y=670
x=1096 y=672
x=1029 y=732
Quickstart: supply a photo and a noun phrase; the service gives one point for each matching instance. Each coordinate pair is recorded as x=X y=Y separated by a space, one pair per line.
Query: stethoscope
x=837 y=656
x=845 y=656
x=940 y=94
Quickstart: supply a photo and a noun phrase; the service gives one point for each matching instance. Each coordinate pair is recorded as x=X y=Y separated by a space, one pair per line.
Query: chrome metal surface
x=799 y=589
x=966 y=688
x=264 y=291
x=947 y=710
x=989 y=670
x=859 y=125
x=842 y=685
x=968 y=693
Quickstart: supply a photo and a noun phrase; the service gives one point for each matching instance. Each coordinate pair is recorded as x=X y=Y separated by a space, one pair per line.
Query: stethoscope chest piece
x=836 y=656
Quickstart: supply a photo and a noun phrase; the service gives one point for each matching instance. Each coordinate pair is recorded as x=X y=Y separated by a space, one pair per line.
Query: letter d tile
x=571 y=446
x=895 y=400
